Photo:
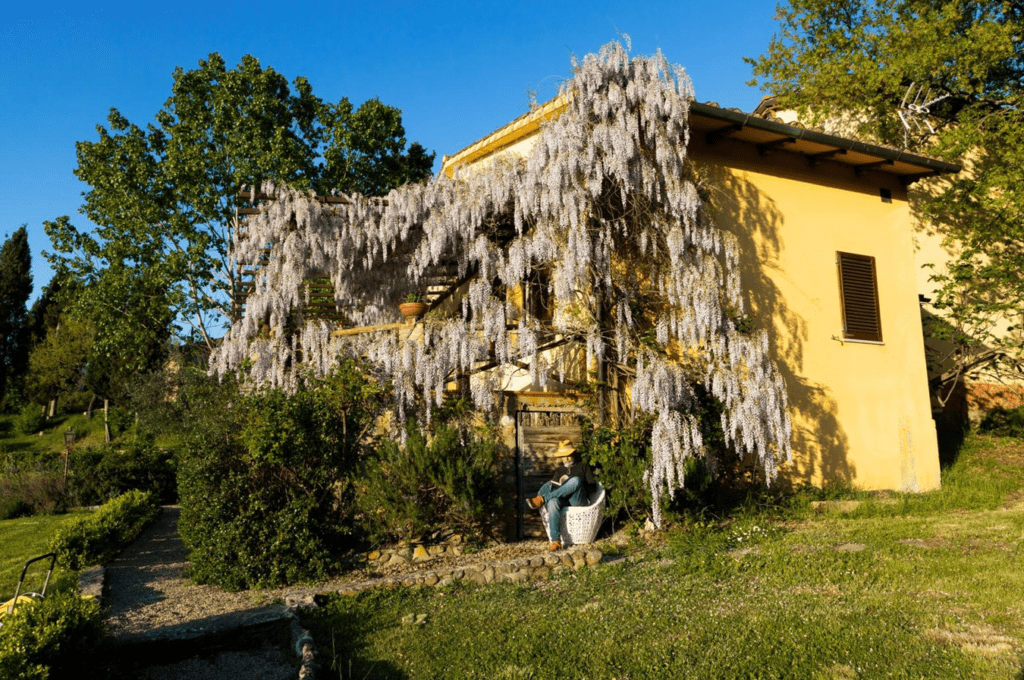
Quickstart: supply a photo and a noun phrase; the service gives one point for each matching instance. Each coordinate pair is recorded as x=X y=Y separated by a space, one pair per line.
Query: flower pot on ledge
x=412 y=310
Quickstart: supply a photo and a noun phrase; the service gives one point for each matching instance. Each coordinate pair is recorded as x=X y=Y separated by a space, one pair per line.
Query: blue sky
x=458 y=70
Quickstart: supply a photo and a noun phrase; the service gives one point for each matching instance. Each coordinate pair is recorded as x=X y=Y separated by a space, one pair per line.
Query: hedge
x=97 y=538
x=54 y=638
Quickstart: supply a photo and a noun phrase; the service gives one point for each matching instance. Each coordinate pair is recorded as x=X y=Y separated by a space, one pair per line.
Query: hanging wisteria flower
x=606 y=205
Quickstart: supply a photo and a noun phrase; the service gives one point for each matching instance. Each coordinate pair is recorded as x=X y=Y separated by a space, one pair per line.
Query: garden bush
x=100 y=473
x=265 y=479
x=447 y=481
x=1005 y=422
x=31 y=419
x=98 y=537
x=51 y=639
x=30 y=486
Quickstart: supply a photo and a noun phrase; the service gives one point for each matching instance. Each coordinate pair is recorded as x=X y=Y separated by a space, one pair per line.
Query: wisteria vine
x=606 y=202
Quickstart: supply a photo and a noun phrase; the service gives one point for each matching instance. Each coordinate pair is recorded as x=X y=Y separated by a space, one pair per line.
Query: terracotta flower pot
x=413 y=310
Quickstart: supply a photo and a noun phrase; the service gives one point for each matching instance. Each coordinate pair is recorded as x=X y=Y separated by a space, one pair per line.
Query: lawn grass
x=88 y=432
x=24 y=538
x=780 y=593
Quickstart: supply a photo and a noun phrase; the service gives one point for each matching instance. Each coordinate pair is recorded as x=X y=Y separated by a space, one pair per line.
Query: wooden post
x=106 y=421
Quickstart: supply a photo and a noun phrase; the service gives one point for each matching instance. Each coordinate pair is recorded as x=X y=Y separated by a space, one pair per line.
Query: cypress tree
x=15 y=289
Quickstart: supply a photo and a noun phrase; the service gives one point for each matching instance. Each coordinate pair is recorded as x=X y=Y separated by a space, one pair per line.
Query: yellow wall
x=860 y=411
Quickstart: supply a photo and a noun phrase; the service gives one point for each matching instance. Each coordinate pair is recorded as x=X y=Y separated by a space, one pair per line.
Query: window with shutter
x=858 y=291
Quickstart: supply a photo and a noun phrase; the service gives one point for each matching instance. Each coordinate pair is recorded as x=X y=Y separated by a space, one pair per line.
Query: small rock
x=373 y=555
x=537 y=561
x=593 y=557
x=397 y=560
x=476 y=577
x=420 y=554
x=566 y=560
x=517 y=576
x=445 y=581
x=456 y=550
x=541 y=573
x=430 y=579
x=436 y=550
x=551 y=559
x=299 y=601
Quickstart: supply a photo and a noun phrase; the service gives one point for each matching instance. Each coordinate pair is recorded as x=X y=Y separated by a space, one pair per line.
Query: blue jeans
x=573 y=492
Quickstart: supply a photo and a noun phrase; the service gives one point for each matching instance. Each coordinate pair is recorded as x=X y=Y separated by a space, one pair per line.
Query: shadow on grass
x=952 y=429
x=342 y=631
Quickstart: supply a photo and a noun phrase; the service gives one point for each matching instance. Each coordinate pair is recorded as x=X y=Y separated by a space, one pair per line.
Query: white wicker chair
x=579 y=524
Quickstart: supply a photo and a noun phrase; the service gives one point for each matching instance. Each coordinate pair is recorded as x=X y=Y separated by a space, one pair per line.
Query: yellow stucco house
x=828 y=261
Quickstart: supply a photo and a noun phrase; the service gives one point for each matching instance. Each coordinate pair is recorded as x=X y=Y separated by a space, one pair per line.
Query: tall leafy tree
x=163 y=196
x=866 y=62
x=15 y=288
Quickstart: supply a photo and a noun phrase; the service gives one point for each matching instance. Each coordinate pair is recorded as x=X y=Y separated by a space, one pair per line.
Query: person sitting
x=570 y=485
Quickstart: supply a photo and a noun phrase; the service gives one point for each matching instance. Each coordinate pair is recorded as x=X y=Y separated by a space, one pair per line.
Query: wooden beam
x=715 y=136
x=815 y=158
x=367 y=329
x=763 y=149
x=858 y=169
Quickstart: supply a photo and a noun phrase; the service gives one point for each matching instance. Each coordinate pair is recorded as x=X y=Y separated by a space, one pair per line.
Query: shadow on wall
x=820 y=446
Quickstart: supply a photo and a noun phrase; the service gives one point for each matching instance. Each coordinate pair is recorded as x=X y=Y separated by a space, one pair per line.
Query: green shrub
x=31 y=419
x=97 y=538
x=30 y=486
x=265 y=479
x=449 y=481
x=619 y=459
x=54 y=638
x=100 y=473
x=1005 y=422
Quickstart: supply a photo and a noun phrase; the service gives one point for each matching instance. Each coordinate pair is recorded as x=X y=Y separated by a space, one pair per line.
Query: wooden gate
x=539 y=428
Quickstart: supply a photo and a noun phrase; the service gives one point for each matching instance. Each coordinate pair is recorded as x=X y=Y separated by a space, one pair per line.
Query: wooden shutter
x=858 y=291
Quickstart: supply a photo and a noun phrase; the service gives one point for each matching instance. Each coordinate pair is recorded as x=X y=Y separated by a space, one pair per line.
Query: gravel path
x=150 y=595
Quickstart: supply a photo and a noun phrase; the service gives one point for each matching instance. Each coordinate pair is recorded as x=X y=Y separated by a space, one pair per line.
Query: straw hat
x=565 y=448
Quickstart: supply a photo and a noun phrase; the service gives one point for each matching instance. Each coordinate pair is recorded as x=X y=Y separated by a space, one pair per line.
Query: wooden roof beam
x=815 y=158
x=763 y=149
x=858 y=169
x=715 y=136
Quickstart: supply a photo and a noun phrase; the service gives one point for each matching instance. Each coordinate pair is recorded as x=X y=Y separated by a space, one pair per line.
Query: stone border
x=536 y=568
x=91 y=581
x=305 y=649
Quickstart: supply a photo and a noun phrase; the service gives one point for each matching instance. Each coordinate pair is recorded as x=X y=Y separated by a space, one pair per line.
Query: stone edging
x=536 y=568
x=90 y=582
x=305 y=649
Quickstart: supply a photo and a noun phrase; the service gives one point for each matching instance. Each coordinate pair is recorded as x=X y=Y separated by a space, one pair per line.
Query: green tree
x=163 y=197
x=869 y=61
x=15 y=288
x=57 y=365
